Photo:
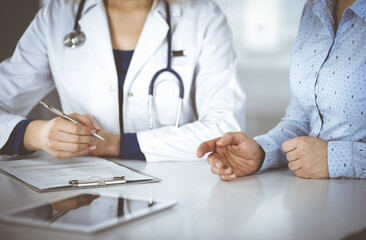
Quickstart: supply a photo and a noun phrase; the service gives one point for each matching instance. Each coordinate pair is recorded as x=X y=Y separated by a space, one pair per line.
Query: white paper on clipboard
x=47 y=173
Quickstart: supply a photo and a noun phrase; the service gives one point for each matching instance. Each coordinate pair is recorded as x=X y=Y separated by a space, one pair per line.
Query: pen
x=65 y=116
x=56 y=217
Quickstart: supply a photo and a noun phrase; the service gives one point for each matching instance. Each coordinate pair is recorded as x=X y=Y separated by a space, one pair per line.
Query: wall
x=263 y=34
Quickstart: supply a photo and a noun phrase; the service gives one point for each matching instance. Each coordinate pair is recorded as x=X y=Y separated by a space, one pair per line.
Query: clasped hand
x=62 y=138
x=236 y=154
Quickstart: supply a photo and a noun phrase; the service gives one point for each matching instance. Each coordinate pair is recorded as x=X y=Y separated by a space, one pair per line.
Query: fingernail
x=92 y=148
x=218 y=165
x=93 y=131
x=232 y=175
x=228 y=171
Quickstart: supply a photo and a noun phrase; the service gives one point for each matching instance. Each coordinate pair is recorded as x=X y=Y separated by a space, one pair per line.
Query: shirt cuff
x=340 y=159
x=272 y=155
x=15 y=144
x=130 y=147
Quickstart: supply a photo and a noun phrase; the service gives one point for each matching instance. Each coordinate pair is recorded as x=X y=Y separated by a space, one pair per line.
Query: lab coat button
x=130 y=94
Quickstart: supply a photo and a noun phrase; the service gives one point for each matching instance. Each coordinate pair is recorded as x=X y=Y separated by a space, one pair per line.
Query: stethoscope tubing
x=72 y=40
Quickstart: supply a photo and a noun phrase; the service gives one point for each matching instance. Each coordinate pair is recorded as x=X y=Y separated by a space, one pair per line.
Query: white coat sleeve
x=25 y=78
x=219 y=98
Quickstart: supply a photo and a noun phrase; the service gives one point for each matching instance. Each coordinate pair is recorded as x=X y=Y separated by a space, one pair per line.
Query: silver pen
x=65 y=116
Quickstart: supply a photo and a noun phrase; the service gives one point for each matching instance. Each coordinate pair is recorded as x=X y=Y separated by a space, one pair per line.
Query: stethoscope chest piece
x=74 y=39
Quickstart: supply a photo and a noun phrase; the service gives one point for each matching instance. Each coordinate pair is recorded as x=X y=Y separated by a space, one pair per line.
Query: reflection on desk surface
x=84 y=210
x=325 y=207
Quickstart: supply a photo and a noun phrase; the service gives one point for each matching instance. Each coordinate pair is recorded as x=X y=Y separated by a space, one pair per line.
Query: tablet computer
x=85 y=213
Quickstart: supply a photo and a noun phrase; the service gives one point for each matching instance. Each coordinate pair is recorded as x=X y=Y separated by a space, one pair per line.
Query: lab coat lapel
x=152 y=36
x=95 y=26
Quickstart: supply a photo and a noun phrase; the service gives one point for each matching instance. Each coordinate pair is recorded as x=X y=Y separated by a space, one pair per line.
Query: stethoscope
x=77 y=38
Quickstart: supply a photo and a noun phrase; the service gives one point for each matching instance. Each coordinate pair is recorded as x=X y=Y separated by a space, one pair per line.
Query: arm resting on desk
x=15 y=144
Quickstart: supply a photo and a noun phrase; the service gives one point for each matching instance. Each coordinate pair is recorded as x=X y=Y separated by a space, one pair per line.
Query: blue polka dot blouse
x=328 y=85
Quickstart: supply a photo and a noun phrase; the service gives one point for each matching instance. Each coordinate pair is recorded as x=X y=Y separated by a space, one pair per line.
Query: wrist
x=33 y=135
x=261 y=158
x=113 y=145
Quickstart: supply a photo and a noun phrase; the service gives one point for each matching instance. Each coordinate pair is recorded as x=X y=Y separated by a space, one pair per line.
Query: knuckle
x=228 y=134
x=77 y=138
x=302 y=153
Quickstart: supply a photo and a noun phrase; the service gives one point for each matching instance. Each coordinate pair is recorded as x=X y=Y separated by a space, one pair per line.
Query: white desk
x=274 y=205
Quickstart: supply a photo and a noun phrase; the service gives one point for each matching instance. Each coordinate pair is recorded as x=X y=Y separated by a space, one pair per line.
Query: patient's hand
x=307 y=157
x=233 y=155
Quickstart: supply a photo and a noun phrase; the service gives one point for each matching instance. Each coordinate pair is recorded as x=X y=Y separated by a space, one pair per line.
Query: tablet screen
x=86 y=212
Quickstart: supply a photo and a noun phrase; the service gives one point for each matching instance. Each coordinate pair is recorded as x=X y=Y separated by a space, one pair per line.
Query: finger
x=222 y=171
x=69 y=147
x=292 y=156
x=73 y=138
x=214 y=160
x=294 y=165
x=211 y=157
x=95 y=122
x=83 y=119
x=227 y=177
x=289 y=145
x=232 y=138
x=219 y=161
x=206 y=147
x=73 y=128
x=63 y=154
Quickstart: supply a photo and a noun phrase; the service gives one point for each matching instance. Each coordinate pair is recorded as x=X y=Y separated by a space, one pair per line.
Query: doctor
x=103 y=74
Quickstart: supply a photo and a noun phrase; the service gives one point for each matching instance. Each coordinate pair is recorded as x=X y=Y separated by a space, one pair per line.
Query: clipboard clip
x=97 y=181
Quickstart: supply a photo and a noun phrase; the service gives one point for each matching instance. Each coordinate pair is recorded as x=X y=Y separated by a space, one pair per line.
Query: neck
x=344 y=4
x=128 y=5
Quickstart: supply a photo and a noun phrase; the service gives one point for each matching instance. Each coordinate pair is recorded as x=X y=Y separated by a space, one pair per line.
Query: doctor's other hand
x=307 y=157
x=233 y=155
x=61 y=138
x=109 y=147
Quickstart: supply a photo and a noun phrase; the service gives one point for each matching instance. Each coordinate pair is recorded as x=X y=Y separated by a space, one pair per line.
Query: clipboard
x=46 y=174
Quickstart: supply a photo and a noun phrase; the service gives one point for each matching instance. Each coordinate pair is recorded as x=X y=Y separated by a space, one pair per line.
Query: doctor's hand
x=61 y=138
x=233 y=155
x=307 y=157
x=109 y=147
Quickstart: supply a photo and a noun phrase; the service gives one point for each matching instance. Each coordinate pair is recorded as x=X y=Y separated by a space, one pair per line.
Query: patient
x=323 y=134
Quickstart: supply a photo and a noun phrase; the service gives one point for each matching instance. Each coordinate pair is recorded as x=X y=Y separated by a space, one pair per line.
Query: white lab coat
x=87 y=82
